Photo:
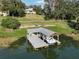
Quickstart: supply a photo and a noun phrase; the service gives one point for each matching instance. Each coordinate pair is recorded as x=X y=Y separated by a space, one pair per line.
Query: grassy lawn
x=15 y=33
x=20 y=32
x=60 y=26
x=60 y=29
x=29 y=20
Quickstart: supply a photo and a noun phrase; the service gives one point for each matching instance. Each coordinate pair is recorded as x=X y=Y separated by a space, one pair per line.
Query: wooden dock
x=36 y=42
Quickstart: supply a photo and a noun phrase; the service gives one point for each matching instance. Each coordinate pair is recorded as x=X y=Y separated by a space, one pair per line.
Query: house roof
x=41 y=30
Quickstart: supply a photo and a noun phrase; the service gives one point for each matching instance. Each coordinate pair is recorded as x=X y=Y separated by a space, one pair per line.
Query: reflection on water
x=18 y=43
x=21 y=49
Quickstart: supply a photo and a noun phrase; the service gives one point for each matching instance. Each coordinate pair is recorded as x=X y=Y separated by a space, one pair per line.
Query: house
x=30 y=11
x=3 y=13
x=42 y=37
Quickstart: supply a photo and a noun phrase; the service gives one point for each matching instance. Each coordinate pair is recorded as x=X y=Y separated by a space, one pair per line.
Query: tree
x=66 y=9
x=47 y=11
x=77 y=24
x=13 y=7
x=37 y=9
x=10 y=23
x=17 y=12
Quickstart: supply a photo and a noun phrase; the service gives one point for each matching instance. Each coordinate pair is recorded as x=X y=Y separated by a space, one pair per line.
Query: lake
x=69 y=49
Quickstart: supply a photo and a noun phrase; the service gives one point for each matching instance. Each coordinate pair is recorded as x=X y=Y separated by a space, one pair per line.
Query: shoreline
x=6 y=42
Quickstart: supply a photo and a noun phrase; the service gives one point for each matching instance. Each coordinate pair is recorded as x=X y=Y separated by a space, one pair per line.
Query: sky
x=34 y=2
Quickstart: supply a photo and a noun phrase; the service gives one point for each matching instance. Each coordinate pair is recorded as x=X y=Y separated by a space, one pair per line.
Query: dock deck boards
x=37 y=42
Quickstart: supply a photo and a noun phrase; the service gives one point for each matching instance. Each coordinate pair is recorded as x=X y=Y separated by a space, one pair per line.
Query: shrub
x=17 y=12
x=77 y=24
x=10 y=23
x=77 y=20
x=21 y=12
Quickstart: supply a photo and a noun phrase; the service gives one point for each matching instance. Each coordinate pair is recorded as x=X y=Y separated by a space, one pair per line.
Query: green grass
x=60 y=26
x=60 y=30
x=19 y=32
x=31 y=18
x=15 y=33
x=18 y=35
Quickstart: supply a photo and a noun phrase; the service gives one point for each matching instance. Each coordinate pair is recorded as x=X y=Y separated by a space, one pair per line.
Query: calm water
x=68 y=50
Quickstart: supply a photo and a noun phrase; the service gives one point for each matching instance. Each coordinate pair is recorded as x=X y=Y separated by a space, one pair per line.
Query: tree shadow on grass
x=71 y=24
x=18 y=43
x=74 y=25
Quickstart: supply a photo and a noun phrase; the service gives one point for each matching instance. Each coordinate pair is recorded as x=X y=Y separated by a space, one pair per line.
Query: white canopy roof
x=41 y=30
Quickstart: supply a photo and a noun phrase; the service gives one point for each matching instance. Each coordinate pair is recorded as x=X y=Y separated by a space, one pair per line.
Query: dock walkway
x=36 y=42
